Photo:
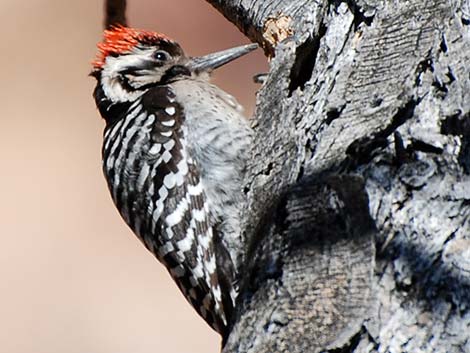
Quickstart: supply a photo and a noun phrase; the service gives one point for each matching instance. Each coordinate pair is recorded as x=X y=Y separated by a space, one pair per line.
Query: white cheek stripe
x=110 y=77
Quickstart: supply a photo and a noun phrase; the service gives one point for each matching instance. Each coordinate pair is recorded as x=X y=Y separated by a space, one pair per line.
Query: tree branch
x=115 y=13
x=268 y=23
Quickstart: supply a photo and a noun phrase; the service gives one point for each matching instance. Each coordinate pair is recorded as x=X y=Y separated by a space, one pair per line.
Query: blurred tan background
x=73 y=278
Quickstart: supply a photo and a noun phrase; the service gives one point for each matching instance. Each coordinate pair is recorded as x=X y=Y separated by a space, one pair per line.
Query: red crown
x=119 y=40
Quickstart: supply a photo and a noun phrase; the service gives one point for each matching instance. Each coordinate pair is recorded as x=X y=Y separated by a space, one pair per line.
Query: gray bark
x=358 y=221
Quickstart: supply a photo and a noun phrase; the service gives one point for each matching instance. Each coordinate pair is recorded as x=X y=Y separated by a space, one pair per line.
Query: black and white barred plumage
x=173 y=155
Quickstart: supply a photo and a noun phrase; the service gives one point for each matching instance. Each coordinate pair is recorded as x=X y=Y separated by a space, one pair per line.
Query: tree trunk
x=358 y=219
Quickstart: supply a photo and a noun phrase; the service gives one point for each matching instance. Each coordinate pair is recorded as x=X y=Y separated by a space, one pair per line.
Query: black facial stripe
x=143 y=65
x=124 y=81
x=174 y=71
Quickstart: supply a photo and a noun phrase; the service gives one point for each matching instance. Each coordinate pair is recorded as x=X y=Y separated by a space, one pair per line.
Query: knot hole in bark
x=305 y=58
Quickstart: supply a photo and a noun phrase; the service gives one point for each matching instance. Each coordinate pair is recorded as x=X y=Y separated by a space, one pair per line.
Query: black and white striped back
x=157 y=189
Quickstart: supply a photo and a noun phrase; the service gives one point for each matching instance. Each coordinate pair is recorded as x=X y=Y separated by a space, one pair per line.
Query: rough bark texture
x=363 y=139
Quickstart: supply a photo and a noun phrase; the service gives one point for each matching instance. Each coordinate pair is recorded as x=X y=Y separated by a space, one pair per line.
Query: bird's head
x=131 y=60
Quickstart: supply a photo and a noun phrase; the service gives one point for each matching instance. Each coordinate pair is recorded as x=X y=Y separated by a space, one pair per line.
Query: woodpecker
x=174 y=154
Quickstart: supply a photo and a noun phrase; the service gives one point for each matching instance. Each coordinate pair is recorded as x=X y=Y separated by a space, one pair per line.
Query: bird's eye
x=161 y=55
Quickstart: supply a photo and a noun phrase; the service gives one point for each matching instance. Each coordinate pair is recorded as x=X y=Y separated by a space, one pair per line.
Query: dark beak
x=213 y=61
